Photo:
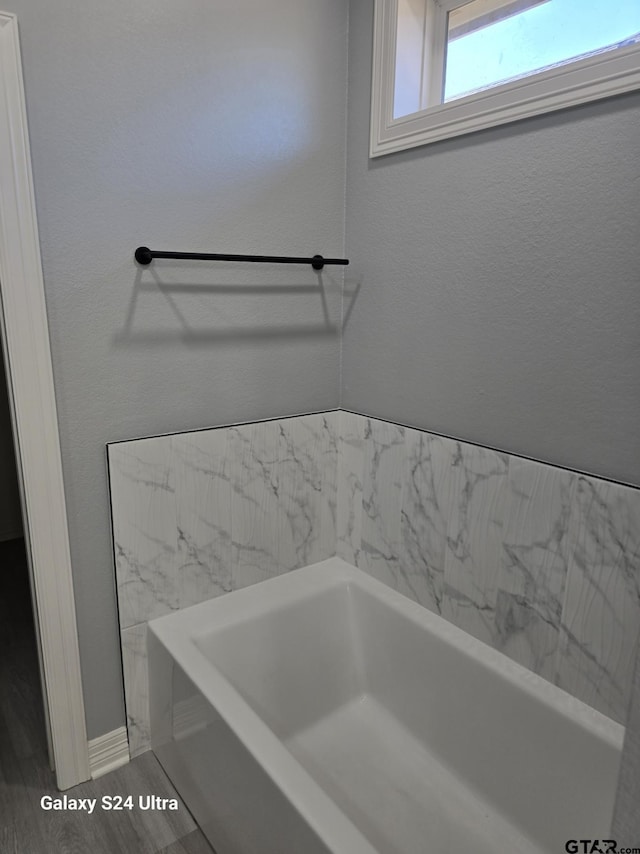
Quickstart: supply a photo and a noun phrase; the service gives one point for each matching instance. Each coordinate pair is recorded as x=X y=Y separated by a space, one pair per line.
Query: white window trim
x=588 y=79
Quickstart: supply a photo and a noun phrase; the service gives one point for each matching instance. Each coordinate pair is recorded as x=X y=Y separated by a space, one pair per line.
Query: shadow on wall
x=326 y=298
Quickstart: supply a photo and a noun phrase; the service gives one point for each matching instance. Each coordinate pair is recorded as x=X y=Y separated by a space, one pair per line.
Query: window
x=448 y=67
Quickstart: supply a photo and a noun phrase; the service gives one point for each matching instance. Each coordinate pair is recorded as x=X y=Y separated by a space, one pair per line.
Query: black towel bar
x=144 y=255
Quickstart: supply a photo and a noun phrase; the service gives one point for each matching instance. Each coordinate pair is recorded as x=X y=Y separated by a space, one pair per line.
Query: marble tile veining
x=308 y=456
x=425 y=514
x=626 y=821
x=539 y=562
x=350 y=474
x=534 y=560
x=136 y=687
x=203 y=514
x=283 y=497
x=474 y=539
x=145 y=537
x=524 y=634
x=198 y=514
x=601 y=615
x=260 y=545
x=382 y=485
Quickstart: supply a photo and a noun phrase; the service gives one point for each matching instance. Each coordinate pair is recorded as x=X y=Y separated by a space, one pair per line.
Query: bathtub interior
x=410 y=725
x=295 y=664
x=230 y=794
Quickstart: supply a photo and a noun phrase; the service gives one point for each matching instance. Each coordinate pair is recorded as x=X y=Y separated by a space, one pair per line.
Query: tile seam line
x=408 y=426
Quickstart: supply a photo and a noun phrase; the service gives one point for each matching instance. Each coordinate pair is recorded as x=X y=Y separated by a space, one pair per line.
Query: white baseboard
x=108 y=752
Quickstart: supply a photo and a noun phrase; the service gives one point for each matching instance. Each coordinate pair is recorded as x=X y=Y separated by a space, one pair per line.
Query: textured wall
x=192 y=125
x=498 y=274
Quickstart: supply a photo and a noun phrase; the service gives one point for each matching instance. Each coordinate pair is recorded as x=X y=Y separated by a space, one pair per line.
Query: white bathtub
x=321 y=711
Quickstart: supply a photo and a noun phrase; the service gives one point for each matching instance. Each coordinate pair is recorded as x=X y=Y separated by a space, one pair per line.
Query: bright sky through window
x=546 y=35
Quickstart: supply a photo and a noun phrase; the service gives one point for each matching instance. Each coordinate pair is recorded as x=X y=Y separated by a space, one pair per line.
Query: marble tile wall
x=540 y=563
x=626 y=820
x=198 y=514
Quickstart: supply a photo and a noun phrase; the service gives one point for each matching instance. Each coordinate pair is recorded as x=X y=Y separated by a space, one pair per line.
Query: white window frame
x=588 y=79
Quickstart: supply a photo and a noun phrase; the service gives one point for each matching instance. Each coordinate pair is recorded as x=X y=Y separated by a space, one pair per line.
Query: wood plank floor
x=25 y=828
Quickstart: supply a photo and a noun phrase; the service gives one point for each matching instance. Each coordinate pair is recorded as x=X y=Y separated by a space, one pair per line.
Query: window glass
x=483 y=52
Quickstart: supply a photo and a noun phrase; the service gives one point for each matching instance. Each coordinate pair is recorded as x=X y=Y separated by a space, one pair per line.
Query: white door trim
x=30 y=375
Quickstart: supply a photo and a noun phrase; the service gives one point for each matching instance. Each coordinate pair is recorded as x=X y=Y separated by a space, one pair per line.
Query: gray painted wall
x=193 y=125
x=499 y=295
